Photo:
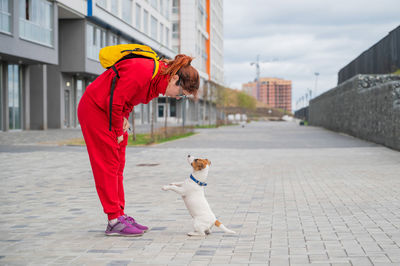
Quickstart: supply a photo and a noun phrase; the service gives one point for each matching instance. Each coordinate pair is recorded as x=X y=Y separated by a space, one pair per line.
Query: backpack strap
x=129 y=56
x=112 y=90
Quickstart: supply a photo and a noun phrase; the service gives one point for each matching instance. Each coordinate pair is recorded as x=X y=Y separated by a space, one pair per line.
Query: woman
x=106 y=148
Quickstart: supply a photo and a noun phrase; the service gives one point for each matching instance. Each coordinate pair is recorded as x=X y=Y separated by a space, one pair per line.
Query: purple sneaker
x=135 y=224
x=123 y=228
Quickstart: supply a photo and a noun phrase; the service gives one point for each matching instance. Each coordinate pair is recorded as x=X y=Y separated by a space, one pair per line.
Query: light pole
x=316 y=83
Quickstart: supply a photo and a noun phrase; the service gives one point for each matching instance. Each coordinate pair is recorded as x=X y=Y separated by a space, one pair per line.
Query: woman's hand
x=126 y=125
x=120 y=139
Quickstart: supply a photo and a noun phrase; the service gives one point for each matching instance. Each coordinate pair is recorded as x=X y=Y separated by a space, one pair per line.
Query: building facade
x=197 y=30
x=274 y=92
x=49 y=55
x=28 y=44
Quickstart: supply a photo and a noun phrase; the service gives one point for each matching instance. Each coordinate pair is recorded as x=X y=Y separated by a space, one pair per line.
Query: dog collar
x=197 y=181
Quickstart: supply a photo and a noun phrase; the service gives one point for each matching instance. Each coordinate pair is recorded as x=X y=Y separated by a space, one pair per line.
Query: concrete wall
x=72 y=45
x=54 y=97
x=365 y=106
x=38 y=96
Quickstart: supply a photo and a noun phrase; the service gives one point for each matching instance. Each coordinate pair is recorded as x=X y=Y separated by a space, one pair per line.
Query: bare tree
x=133 y=124
x=166 y=117
x=210 y=88
x=205 y=92
x=153 y=118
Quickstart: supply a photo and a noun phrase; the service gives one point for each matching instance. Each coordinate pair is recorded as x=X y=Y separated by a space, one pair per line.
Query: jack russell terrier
x=192 y=192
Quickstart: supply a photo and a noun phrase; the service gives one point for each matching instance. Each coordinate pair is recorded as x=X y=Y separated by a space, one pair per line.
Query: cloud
x=305 y=36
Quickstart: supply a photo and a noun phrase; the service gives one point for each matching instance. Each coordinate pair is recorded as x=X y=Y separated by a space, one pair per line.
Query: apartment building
x=28 y=44
x=197 y=30
x=274 y=92
x=49 y=55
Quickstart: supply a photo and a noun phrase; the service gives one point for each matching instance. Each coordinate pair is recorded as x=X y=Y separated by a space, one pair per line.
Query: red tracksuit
x=107 y=157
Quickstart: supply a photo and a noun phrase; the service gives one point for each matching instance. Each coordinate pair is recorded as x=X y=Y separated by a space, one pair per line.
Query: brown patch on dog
x=217 y=223
x=200 y=164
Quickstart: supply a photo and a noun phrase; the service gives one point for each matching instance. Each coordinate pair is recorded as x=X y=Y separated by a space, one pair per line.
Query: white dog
x=192 y=192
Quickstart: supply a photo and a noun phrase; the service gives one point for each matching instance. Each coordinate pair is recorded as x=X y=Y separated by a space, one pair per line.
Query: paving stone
x=298 y=195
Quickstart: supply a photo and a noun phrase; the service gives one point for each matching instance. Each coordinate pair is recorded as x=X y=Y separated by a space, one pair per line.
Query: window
x=79 y=92
x=175 y=6
x=102 y=3
x=153 y=28
x=161 y=110
x=138 y=16
x=161 y=33
x=166 y=37
x=200 y=17
x=113 y=39
x=5 y=16
x=126 y=10
x=96 y=39
x=14 y=97
x=36 y=21
x=146 y=22
x=124 y=41
x=114 y=7
x=175 y=30
x=167 y=9
x=172 y=107
x=154 y=4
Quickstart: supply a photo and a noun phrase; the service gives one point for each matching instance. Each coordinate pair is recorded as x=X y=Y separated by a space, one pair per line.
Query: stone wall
x=365 y=106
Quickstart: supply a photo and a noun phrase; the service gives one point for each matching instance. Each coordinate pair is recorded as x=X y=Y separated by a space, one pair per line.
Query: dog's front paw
x=165 y=188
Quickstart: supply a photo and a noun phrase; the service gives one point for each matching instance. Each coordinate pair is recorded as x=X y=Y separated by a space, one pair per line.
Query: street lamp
x=316 y=82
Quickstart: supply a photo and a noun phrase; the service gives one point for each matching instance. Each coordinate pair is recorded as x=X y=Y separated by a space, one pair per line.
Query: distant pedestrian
x=106 y=148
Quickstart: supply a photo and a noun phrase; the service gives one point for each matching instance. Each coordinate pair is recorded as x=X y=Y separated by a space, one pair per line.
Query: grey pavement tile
x=330 y=204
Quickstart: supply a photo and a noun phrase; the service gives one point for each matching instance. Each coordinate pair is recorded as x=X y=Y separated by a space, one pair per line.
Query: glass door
x=14 y=97
x=79 y=93
x=161 y=110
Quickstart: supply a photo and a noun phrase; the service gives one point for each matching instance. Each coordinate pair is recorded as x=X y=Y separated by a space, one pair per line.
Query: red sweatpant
x=107 y=157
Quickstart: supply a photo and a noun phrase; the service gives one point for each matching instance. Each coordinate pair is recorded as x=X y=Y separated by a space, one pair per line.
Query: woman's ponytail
x=188 y=75
x=180 y=61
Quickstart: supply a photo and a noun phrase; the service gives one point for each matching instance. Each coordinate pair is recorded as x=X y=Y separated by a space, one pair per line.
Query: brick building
x=274 y=92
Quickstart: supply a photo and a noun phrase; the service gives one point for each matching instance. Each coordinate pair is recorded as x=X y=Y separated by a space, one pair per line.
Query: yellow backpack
x=110 y=55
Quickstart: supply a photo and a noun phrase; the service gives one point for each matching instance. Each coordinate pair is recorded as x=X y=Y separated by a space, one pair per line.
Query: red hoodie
x=133 y=87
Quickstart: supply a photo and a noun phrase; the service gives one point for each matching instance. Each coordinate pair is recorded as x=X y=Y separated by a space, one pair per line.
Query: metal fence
x=382 y=58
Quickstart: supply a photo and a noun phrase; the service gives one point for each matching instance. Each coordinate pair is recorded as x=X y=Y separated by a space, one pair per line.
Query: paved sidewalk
x=51 y=137
x=295 y=195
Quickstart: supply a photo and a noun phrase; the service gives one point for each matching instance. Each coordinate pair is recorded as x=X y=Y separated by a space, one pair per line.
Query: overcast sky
x=305 y=36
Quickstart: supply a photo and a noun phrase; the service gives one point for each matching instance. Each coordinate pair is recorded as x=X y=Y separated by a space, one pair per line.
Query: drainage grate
x=148 y=164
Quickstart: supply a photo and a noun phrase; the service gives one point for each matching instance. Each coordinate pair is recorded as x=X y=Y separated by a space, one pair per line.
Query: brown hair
x=188 y=75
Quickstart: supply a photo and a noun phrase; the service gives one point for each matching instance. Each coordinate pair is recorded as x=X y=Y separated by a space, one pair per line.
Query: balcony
x=36 y=33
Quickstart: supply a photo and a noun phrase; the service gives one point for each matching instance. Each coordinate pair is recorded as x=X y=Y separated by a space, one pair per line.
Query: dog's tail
x=226 y=230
